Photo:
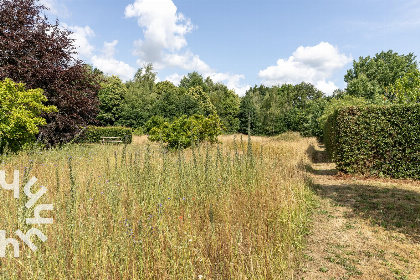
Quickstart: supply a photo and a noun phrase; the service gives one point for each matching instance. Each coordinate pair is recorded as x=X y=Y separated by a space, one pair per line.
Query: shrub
x=20 y=114
x=155 y=121
x=138 y=131
x=93 y=134
x=375 y=140
x=185 y=131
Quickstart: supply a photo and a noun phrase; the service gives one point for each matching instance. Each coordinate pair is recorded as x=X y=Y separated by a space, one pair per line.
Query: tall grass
x=235 y=210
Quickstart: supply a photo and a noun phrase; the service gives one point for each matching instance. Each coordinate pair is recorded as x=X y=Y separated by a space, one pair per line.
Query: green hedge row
x=375 y=140
x=93 y=134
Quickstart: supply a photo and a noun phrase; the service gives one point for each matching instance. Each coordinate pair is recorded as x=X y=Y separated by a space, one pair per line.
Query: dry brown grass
x=141 y=212
x=364 y=228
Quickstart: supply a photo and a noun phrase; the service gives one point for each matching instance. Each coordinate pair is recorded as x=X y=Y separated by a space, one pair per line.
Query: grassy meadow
x=235 y=210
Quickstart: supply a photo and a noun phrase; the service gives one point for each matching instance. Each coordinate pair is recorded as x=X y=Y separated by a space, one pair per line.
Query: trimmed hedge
x=93 y=134
x=375 y=140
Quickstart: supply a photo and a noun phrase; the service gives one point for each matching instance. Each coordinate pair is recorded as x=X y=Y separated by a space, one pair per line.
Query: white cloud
x=111 y=66
x=187 y=61
x=327 y=87
x=307 y=64
x=163 y=28
x=106 y=61
x=81 y=36
x=232 y=81
x=174 y=78
x=109 y=49
x=164 y=41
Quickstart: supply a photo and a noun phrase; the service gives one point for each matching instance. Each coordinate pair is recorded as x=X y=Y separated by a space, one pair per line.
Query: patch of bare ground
x=363 y=228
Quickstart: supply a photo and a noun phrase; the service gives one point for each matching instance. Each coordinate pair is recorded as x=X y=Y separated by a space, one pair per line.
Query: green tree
x=203 y=99
x=193 y=80
x=303 y=93
x=227 y=104
x=111 y=98
x=407 y=88
x=249 y=114
x=20 y=111
x=139 y=98
x=373 y=76
x=41 y=55
x=271 y=113
x=364 y=87
x=172 y=102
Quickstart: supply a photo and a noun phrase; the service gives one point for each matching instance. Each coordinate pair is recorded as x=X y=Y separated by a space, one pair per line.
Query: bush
x=185 y=131
x=93 y=134
x=375 y=140
x=155 y=121
x=138 y=131
x=20 y=115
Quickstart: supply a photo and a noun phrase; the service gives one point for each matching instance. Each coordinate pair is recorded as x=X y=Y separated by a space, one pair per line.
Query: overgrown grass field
x=235 y=210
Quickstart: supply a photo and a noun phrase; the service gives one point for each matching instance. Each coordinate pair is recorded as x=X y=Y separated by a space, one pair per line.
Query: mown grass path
x=362 y=228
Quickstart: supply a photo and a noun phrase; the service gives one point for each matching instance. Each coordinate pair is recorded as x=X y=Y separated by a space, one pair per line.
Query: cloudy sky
x=240 y=43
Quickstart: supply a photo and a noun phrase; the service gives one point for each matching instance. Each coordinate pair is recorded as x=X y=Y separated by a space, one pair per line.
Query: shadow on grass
x=390 y=207
x=318 y=156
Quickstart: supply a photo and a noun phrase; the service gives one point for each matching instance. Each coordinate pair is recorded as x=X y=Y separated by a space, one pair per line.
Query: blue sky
x=240 y=43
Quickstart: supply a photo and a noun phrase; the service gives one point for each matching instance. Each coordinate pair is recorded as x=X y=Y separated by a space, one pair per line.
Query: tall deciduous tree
x=227 y=104
x=111 y=97
x=371 y=77
x=193 y=80
x=407 y=89
x=139 y=99
x=41 y=55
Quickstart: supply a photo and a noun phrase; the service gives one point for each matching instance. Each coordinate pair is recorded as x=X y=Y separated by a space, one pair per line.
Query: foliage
x=139 y=98
x=186 y=131
x=20 y=111
x=111 y=98
x=375 y=140
x=172 y=103
x=282 y=108
x=203 y=99
x=193 y=80
x=93 y=134
x=407 y=88
x=155 y=121
x=227 y=105
x=249 y=114
x=41 y=55
x=372 y=76
x=343 y=101
x=138 y=131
